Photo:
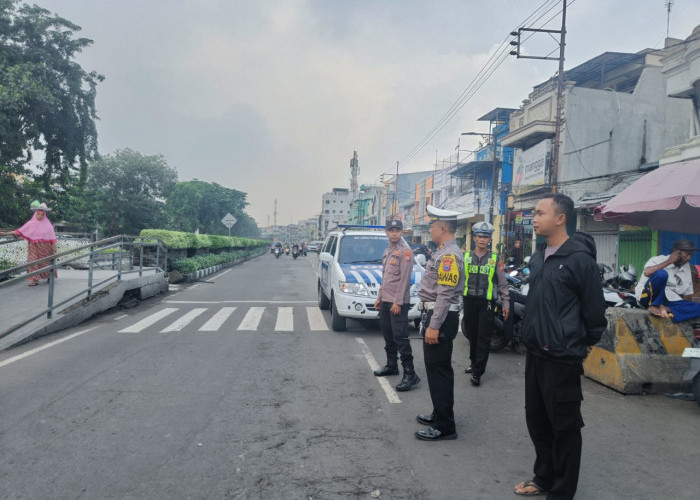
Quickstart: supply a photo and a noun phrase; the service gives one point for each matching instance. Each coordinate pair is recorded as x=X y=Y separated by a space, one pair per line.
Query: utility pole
x=560 y=104
x=554 y=171
x=396 y=190
x=669 y=4
x=275 y=213
x=494 y=168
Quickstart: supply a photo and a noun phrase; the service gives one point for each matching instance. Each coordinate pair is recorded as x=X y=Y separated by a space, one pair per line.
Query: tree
x=47 y=102
x=126 y=191
x=201 y=205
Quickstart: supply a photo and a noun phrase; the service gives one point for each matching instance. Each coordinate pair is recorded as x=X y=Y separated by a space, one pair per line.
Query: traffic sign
x=228 y=221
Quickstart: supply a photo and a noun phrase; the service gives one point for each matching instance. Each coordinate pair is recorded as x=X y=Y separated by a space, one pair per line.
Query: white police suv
x=350 y=273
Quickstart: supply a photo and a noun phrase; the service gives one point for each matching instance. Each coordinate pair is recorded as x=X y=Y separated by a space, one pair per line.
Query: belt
x=429 y=306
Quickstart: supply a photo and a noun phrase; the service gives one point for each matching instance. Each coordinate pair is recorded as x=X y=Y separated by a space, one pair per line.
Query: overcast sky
x=271 y=97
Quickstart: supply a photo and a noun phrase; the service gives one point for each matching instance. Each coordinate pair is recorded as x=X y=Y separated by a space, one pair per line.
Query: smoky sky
x=271 y=97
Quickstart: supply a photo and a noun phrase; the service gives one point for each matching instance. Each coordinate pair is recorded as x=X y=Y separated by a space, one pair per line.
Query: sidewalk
x=19 y=302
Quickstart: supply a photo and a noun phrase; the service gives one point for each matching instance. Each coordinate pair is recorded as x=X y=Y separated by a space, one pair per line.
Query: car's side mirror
x=325 y=257
x=420 y=259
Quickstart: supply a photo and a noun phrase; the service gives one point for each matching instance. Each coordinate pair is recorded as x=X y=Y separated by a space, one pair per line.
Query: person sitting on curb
x=666 y=286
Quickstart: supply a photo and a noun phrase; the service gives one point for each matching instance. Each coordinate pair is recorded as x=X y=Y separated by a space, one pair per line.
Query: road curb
x=203 y=273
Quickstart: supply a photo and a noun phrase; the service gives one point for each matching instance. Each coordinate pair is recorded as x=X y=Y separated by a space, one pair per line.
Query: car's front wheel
x=323 y=302
x=338 y=321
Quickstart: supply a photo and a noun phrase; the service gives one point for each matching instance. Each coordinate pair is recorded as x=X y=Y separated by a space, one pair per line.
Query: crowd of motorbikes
x=618 y=291
x=294 y=250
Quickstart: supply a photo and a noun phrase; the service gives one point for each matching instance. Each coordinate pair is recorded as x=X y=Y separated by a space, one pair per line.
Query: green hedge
x=203 y=261
x=178 y=240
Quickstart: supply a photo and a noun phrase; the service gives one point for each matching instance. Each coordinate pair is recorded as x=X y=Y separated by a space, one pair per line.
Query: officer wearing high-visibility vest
x=485 y=282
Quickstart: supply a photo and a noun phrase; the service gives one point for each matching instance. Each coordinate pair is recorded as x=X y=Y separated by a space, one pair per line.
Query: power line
x=456 y=106
x=493 y=63
x=490 y=70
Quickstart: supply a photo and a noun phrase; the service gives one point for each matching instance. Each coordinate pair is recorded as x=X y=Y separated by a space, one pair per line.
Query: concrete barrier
x=640 y=353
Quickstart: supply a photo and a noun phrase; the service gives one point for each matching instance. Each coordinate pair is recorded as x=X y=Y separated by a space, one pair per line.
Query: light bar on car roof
x=358 y=226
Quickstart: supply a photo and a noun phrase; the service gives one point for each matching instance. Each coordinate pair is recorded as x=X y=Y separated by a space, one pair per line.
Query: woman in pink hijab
x=41 y=240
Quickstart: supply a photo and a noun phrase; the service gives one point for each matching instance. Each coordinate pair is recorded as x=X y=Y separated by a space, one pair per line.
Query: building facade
x=617 y=121
x=335 y=208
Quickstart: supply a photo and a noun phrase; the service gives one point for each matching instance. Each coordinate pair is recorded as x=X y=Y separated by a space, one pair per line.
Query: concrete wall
x=605 y=131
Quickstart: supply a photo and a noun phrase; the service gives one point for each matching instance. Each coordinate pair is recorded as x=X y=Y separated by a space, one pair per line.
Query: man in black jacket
x=565 y=317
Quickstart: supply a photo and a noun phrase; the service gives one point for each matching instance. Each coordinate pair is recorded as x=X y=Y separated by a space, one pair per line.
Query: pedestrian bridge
x=91 y=279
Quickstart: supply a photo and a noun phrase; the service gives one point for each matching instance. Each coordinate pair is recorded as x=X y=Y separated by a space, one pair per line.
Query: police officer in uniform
x=393 y=303
x=440 y=294
x=485 y=281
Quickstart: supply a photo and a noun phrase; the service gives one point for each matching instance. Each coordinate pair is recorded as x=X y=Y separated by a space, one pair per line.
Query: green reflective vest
x=487 y=270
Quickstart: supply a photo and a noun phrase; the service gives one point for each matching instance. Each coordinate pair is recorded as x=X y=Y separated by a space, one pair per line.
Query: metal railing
x=108 y=253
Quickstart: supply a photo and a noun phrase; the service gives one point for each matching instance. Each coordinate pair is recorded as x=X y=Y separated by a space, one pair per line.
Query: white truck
x=350 y=273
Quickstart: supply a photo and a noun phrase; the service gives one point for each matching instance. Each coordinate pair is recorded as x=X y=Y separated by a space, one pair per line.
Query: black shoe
x=409 y=380
x=469 y=369
x=431 y=434
x=387 y=370
x=476 y=380
x=425 y=419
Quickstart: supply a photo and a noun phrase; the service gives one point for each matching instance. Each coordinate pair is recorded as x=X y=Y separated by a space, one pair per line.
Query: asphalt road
x=236 y=388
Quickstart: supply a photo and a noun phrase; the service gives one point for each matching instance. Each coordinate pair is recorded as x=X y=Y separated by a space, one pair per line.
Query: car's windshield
x=362 y=249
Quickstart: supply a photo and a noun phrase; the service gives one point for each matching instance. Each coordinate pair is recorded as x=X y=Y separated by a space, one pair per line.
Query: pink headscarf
x=38 y=231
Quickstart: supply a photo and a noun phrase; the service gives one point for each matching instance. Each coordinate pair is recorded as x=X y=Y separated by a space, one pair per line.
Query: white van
x=350 y=272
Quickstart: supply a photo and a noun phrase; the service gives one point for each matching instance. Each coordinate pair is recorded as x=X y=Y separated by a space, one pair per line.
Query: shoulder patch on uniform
x=407 y=255
x=448 y=271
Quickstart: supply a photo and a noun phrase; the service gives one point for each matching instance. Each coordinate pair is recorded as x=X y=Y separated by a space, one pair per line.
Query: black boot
x=409 y=380
x=388 y=369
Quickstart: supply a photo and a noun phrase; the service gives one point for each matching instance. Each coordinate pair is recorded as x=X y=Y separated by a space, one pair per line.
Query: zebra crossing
x=255 y=318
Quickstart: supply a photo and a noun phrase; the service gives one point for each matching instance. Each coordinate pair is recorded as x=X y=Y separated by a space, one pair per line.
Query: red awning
x=667 y=198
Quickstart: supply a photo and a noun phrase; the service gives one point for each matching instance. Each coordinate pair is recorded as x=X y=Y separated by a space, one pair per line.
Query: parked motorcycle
x=618 y=289
x=506 y=333
x=692 y=374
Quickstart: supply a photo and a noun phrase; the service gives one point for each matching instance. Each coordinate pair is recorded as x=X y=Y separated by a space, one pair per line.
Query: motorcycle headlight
x=354 y=288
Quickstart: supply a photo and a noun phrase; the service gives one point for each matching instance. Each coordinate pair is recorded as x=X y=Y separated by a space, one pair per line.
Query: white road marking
x=220 y=275
x=217 y=320
x=240 y=301
x=285 y=319
x=148 y=321
x=252 y=318
x=43 y=347
x=120 y=317
x=373 y=365
x=185 y=320
x=316 y=320
x=194 y=286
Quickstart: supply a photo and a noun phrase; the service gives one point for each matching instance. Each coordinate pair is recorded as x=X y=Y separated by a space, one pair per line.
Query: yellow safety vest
x=488 y=270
